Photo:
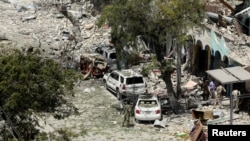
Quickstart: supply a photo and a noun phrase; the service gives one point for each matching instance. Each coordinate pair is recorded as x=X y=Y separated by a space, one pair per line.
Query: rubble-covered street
x=29 y=25
x=100 y=119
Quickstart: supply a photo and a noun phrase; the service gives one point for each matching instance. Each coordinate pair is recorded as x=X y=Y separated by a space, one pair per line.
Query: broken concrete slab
x=160 y=124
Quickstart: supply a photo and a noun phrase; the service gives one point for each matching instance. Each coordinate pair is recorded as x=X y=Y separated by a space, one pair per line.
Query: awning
x=230 y=75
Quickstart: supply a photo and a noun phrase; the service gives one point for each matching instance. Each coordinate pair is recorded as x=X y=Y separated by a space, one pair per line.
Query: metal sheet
x=239 y=73
x=230 y=75
x=222 y=76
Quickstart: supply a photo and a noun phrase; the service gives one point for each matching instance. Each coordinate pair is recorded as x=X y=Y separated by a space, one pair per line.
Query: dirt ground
x=100 y=120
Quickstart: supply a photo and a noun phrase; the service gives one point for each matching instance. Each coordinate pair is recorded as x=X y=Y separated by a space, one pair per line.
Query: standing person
x=212 y=89
x=127 y=113
x=236 y=93
x=219 y=94
x=204 y=87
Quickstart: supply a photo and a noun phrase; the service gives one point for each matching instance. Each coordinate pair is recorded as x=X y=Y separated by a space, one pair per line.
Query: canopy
x=230 y=75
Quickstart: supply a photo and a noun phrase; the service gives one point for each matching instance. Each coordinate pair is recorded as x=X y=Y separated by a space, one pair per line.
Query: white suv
x=124 y=82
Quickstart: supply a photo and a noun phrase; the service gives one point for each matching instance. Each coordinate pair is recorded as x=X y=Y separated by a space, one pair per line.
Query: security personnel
x=127 y=109
x=219 y=94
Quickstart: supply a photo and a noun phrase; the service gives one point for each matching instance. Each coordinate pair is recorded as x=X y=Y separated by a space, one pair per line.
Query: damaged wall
x=223 y=45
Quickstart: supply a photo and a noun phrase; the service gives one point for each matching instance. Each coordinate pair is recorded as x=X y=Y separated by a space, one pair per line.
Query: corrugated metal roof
x=239 y=73
x=230 y=75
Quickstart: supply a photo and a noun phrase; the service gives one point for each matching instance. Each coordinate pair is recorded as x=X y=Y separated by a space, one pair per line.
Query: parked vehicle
x=109 y=53
x=125 y=82
x=92 y=65
x=148 y=108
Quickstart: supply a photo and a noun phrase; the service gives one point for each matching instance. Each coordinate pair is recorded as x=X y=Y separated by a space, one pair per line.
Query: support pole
x=231 y=103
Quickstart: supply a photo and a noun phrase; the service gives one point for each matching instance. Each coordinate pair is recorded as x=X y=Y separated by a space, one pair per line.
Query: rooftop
x=235 y=16
x=129 y=73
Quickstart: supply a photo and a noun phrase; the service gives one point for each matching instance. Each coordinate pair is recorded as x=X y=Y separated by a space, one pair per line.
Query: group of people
x=211 y=91
x=216 y=93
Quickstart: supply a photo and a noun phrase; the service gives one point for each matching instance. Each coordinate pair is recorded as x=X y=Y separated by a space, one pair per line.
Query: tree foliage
x=127 y=19
x=31 y=84
x=154 y=21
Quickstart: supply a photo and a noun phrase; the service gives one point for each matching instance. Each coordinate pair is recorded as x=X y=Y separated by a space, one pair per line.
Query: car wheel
x=161 y=117
x=120 y=104
x=105 y=84
x=137 y=121
x=118 y=95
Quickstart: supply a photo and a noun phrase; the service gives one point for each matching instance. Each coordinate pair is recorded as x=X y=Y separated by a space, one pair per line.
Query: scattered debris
x=159 y=124
x=93 y=65
x=202 y=114
x=197 y=132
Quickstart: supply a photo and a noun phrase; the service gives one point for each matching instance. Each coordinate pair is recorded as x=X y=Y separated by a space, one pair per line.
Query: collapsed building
x=224 y=41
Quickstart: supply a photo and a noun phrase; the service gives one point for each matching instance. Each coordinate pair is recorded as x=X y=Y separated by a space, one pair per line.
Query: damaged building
x=224 y=41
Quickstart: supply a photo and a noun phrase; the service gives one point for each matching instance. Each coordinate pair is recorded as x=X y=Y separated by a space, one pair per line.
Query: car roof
x=147 y=97
x=129 y=73
x=108 y=49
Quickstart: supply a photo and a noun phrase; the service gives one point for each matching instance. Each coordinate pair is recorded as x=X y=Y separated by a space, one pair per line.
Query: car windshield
x=147 y=103
x=134 y=80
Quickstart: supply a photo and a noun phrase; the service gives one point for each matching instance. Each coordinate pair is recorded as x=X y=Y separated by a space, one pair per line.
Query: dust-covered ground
x=99 y=119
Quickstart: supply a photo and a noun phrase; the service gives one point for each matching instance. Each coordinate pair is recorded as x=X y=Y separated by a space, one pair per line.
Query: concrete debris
x=89 y=26
x=87 y=90
x=58 y=33
x=218 y=113
x=237 y=26
x=30 y=26
x=190 y=85
x=159 y=124
x=31 y=17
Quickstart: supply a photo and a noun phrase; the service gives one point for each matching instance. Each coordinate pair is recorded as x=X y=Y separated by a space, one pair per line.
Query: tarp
x=190 y=84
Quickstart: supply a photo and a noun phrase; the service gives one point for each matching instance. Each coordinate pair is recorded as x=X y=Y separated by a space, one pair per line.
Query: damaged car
x=148 y=108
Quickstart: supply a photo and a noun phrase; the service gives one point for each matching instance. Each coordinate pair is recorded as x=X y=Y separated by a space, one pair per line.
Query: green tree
x=30 y=84
x=154 y=21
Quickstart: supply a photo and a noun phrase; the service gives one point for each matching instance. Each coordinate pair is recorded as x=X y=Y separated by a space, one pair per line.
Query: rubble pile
x=235 y=14
x=30 y=25
x=38 y=25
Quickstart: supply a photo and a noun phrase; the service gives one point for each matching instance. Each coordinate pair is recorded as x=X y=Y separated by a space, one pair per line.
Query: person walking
x=127 y=109
x=219 y=94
